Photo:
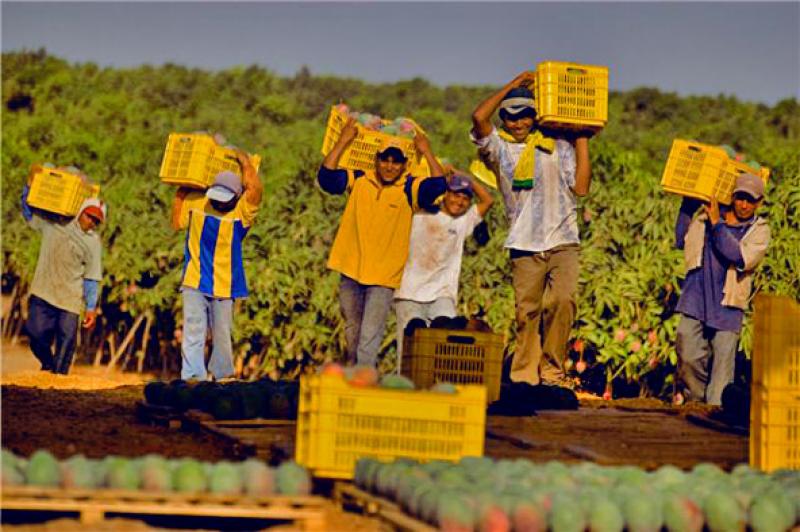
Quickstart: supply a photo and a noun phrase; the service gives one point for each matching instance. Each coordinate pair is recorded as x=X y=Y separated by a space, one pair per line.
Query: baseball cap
x=460 y=183
x=392 y=147
x=518 y=100
x=95 y=208
x=227 y=186
x=749 y=184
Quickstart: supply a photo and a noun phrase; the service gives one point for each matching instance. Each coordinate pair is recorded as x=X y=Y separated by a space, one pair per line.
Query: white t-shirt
x=545 y=216
x=434 y=255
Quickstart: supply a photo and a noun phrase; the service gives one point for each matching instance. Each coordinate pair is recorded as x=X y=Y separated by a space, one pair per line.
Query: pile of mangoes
x=263 y=398
x=155 y=473
x=366 y=376
x=483 y=494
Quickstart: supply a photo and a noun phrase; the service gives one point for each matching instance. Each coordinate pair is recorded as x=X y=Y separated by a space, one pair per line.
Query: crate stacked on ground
x=58 y=190
x=194 y=159
x=571 y=96
x=360 y=154
x=338 y=423
x=703 y=171
x=458 y=357
x=775 y=406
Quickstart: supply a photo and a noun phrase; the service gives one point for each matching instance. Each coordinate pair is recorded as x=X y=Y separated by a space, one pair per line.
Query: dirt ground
x=93 y=412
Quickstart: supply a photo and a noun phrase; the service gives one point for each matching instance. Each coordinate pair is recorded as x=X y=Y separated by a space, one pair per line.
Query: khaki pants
x=544 y=288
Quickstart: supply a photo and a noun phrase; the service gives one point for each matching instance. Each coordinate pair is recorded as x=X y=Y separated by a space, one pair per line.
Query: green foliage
x=113 y=124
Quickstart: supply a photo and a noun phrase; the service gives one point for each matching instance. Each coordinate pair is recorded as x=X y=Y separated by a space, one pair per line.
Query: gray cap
x=227 y=186
x=749 y=184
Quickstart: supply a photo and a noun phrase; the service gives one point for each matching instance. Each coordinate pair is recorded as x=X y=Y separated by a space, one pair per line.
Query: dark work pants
x=46 y=323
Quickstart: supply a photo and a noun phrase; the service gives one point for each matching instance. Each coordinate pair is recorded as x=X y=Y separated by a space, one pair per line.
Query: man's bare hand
x=90 y=319
x=421 y=142
x=349 y=131
x=524 y=79
x=712 y=209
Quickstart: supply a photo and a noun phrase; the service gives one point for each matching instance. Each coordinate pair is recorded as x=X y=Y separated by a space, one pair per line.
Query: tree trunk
x=124 y=345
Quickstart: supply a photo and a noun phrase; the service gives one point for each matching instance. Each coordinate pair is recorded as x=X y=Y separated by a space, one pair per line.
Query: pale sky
x=747 y=49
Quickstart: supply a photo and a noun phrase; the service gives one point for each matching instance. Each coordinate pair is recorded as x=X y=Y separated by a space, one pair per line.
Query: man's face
x=388 y=169
x=744 y=205
x=224 y=206
x=87 y=222
x=518 y=128
x=456 y=203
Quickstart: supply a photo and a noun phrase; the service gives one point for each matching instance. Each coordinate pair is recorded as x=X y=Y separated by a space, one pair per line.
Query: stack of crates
x=58 y=191
x=459 y=357
x=360 y=154
x=702 y=171
x=194 y=159
x=775 y=404
x=338 y=423
x=571 y=96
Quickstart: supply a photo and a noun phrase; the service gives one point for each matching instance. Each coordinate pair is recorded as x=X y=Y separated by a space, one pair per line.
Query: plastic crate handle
x=576 y=71
x=458 y=339
x=695 y=148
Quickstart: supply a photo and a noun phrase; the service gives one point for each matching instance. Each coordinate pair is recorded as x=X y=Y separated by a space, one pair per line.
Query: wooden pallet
x=308 y=512
x=269 y=439
x=348 y=496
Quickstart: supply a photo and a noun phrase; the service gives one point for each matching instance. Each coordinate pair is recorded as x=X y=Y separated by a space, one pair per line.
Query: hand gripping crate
x=338 y=423
x=194 y=159
x=360 y=154
x=775 y=428
x=59 y=191
x=702 y=171
x=776 y=343
x=458 y=357
x=571 y=96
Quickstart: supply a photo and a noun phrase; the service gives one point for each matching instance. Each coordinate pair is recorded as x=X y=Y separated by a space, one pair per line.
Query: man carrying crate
x=68 y=272
x=217 y=222
x=429 y=288
x=540 y=178
x=371 y=245
x=721 y=249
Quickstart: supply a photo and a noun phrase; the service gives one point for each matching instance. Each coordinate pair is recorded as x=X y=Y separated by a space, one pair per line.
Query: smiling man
x=540 y=177
x=721 y=251
x=371 y=245
x=430 y=278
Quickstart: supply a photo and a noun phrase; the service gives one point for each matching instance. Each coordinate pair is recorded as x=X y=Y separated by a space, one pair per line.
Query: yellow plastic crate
x=360 y=154
x=702 y=171
x=337 y=424
x=458 y=357
x=775 y=428
x=194 y=159
x=572 y=96
x=58 y=191
x=776 y=342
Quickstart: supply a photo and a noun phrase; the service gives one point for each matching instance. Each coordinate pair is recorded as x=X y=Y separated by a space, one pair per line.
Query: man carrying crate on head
x=217 y=221
x=68 y=272
x=721 y=249
x=429 y=288
x=540 y=178
x=371 y=245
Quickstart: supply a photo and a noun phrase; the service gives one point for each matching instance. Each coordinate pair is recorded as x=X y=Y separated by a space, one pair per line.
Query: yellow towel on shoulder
x=523 y=173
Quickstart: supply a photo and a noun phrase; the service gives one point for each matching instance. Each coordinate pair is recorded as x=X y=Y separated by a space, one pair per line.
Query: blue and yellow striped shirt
x=213 y=250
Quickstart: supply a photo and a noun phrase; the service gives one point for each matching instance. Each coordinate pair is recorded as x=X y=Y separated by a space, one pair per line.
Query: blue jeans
x=697 y=346
x=365 y=308
x=199 y=312
x=407 y=310
x=45 y=324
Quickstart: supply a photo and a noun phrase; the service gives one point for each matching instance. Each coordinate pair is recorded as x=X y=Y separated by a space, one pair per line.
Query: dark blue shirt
x=701 y=297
